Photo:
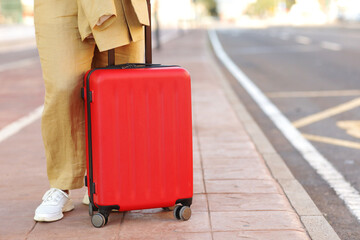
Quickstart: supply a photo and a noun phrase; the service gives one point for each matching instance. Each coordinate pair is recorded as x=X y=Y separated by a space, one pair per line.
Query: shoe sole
x=69 y=206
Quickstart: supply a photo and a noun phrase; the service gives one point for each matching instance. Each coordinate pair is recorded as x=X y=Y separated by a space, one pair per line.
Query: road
x=312 y=75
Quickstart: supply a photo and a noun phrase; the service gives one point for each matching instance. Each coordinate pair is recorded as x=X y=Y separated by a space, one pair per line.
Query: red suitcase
x=139 y=139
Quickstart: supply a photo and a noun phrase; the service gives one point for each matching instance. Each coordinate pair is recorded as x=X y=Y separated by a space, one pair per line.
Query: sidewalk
x=235 y=195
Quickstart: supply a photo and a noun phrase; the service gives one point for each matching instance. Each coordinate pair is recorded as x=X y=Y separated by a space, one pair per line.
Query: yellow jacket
x=124 y=26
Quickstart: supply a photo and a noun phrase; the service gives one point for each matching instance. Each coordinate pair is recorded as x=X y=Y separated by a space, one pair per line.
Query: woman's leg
x=64 y=60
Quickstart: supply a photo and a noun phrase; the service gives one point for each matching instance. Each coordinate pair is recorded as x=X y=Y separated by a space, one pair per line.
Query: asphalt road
x=311 y=74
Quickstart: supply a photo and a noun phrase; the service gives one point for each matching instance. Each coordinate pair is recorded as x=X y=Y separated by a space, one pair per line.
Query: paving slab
x=255 y=220
x=252 y=235
x=232 y=202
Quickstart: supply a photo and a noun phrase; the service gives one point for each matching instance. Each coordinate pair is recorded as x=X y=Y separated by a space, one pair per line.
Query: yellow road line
x=303 y=94
x=332 y=141
x=327 y=113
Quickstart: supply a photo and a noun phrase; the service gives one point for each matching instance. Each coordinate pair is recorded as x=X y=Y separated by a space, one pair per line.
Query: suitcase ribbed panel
x=142 y=140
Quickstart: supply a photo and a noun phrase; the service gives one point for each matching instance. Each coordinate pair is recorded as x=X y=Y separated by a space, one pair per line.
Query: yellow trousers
x=64 y=60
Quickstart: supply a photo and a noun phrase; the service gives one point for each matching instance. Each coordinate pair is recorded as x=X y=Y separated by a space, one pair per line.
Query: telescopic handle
x=148 y=44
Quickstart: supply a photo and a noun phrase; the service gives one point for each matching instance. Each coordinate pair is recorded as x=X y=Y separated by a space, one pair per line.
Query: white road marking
x=331 y=46
x=19 y=124
x=303 y=40
x=18 y=64
x=323 y=167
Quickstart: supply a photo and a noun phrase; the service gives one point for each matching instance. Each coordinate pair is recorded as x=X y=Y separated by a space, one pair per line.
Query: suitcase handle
x=148 y=44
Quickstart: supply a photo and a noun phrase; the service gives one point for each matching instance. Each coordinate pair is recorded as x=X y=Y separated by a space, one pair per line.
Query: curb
x=314 y=222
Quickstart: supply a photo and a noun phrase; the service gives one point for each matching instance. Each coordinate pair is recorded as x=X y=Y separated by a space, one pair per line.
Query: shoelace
x=50 y=194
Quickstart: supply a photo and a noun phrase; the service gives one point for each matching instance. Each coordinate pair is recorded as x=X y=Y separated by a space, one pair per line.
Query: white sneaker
x=55 y=202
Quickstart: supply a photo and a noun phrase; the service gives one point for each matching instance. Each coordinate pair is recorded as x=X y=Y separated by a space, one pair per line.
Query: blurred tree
x=289 y=4
x=210 y=5
x=11 y=10
x=262 y=8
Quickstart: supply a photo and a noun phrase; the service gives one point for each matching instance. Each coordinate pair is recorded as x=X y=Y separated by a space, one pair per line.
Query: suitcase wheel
x=98 y=220
x=182 y=212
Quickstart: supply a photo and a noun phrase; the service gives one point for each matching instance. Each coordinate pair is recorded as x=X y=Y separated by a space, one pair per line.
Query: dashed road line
x=303 y=40
x=307 y=94
x=332 y=141
x=323 y=167
x=327 y=113
x=331 y=46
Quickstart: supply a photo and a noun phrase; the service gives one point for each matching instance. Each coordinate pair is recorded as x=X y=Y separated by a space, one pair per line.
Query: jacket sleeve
x=141 y=10
x=95 y=9
x=125 y=25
